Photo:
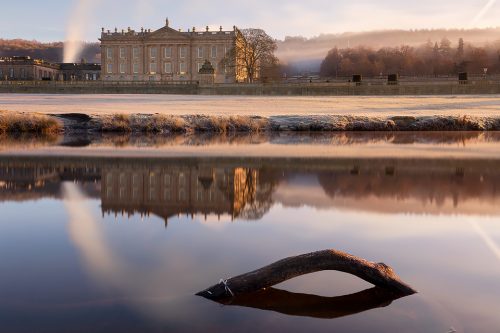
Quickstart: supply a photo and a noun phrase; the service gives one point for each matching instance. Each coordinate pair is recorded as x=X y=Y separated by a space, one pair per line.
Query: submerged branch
x=377 y=274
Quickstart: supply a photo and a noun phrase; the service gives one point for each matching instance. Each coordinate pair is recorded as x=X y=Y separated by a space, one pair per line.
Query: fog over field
x=307 y=53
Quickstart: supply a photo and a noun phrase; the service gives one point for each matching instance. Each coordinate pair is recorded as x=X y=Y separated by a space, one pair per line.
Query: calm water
x=122 y=245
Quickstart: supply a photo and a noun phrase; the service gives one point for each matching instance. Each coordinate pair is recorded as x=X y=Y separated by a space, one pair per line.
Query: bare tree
x=253 y=54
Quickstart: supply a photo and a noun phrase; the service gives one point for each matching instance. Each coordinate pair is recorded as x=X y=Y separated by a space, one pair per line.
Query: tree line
x=430 y=59
x=52 y=52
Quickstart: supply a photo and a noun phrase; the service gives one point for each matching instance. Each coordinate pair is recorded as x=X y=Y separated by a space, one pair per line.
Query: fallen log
x=377 y=274
x=305 y=305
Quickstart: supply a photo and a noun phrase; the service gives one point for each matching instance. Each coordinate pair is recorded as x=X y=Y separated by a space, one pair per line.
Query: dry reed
x=11 y=123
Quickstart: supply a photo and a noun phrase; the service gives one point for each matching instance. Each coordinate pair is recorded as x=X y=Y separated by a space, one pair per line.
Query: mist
x=306 y=54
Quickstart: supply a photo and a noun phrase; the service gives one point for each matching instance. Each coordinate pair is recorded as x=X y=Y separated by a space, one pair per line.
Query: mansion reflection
x=176 y=190
x=247 y=191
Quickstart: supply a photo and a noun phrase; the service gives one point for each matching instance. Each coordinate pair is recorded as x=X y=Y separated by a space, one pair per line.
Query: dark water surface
x=122 y=245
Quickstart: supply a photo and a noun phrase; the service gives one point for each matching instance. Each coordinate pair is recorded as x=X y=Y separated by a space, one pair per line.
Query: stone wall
x=251 y=89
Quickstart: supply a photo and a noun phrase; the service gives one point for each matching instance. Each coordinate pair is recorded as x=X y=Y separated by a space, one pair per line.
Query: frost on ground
x=484 y=105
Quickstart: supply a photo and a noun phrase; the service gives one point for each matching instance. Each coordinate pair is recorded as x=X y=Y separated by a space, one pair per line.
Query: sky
x=56 y=20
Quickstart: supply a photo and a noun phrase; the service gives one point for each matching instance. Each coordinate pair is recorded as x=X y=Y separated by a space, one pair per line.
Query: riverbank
x=165 y=114
x=80 y=123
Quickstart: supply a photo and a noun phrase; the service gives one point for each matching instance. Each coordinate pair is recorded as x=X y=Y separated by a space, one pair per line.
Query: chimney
x=194 y=29
x=116 y=29
x=220 y=28
x=167 y=23
x=207 y=28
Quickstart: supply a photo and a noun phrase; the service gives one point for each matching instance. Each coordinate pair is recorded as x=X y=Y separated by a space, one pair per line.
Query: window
x=182 y=195
x=136 y=68
x=122 y=68
x=11 y=72
x=182 y=52
x=167 y=194
x=152 y=68
x=23 y=73
x=168 y=67
x=153 y=52
x=213 y=52
x=200 y=51
x=122 y=52
x=110 y=68
x=182 y=68
x=168 y=52
x=110 y=53
x=167 y=180
x=135 y=52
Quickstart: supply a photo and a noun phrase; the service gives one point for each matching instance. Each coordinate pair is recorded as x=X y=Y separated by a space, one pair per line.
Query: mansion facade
x=166 y=54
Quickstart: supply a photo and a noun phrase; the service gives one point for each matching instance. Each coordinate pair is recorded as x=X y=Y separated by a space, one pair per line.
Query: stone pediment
x=167 y=33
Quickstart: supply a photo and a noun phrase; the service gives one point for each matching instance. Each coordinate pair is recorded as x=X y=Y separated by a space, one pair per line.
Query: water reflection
x=306 y=305
x=434 y=221
x=246 y=189
x=26 y=141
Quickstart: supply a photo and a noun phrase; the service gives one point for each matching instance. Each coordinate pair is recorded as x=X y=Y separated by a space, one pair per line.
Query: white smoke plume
x=79 y=21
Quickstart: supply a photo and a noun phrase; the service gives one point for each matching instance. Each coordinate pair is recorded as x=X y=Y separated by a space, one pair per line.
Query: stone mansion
x=166 y=54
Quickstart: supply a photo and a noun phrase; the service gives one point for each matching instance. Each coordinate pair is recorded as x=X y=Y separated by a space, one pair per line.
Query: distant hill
x=52 y=52
x=307 y=53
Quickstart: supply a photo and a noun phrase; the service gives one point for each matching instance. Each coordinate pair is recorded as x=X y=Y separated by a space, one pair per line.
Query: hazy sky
x=48 y=20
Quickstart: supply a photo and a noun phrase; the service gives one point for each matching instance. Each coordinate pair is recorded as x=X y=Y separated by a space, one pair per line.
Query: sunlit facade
x=165 y=54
